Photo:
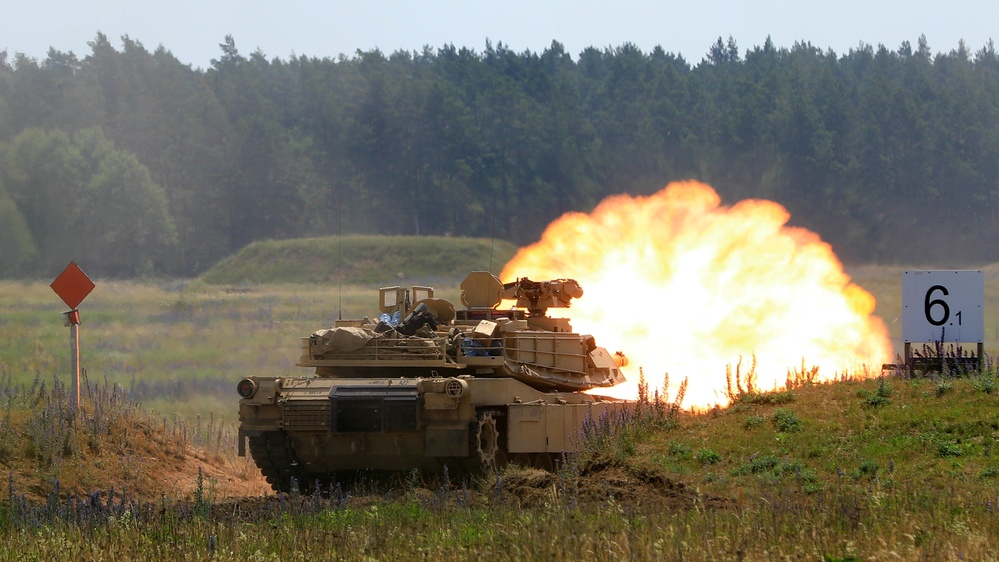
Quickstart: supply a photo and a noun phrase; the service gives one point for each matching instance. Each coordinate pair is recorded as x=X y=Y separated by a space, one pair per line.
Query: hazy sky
x=192 y=30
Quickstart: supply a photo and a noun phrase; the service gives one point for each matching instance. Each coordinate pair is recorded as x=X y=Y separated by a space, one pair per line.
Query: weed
x=679 y=450
x=798 y=378
x=201 y=506
x=878 y=398
x=772 y=397
x=742 y=389
x=947 y=360
x=602 y=435
x=942 y=387
x=413 y=479
x=739 y=392
x=657 y=411
x=985 y=381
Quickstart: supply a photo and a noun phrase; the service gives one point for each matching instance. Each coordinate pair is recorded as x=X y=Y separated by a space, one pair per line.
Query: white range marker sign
x=943 y=306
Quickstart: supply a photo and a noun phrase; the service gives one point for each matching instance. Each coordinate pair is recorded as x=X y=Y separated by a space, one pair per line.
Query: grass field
x=887 y=468
x=178 y=347
x=883 y=469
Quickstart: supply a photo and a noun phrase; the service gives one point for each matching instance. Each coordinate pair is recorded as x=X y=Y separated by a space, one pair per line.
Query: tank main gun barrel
x=538 y=296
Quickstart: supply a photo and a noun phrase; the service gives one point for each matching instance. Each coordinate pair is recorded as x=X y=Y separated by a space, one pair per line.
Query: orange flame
x=685 y=286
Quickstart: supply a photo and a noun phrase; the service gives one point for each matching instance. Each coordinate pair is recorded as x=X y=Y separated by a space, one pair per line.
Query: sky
x=193 y=29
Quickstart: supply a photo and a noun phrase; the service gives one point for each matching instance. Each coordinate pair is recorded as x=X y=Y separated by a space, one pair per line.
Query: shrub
x=867 y=469
x=765 y=463
x=786 y=421
x=707 y=456
x=949 y=449
x=752 y=421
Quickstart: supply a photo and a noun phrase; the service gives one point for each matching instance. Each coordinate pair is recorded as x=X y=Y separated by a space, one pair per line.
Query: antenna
x=339 y=252
x=492 y=234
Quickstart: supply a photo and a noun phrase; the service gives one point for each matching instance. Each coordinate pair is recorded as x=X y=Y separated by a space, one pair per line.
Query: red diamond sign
x=72 y=285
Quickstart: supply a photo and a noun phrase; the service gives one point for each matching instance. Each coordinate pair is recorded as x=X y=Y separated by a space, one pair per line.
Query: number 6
x=928 y=304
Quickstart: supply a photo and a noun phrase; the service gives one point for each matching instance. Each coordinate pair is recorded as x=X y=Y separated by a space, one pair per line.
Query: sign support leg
x=73 y=321
x=74 y=337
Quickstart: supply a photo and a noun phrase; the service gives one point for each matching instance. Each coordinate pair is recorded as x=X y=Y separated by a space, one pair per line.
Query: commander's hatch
x=402 y=300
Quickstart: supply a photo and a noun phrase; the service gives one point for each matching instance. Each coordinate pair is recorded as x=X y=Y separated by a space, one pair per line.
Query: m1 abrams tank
x=428 y=387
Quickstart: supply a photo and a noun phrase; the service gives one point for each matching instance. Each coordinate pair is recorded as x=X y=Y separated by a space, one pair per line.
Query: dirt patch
x=528 y=487
x=601 y=482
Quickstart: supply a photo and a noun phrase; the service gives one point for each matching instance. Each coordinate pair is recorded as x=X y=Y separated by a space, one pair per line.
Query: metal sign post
x=72 y=286
x=73 y=321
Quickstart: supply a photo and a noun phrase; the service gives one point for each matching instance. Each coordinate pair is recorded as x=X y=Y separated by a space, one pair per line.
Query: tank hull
x=314 y=430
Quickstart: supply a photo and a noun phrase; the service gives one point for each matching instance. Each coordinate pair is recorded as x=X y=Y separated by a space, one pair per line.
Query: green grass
x=833 y=430
x=177 y=346
x=366 y=260
x=911 y=479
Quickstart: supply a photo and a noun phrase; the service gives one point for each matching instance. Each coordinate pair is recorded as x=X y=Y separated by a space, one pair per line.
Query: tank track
x=274 y=456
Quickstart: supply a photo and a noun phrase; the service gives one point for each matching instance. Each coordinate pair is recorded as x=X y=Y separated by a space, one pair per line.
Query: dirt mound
x=175 y=474
x=600 y=482
x=133 y=457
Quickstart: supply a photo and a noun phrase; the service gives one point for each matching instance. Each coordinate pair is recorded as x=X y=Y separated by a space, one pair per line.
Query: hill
x=360 y=260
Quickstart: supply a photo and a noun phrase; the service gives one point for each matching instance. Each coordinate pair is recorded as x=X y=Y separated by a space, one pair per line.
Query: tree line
x=134 y=163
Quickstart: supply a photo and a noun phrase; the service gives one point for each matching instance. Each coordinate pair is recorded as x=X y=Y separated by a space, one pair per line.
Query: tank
x=429 y=387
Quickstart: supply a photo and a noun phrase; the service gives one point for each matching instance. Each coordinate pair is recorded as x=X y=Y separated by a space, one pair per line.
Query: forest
x=133 y=163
